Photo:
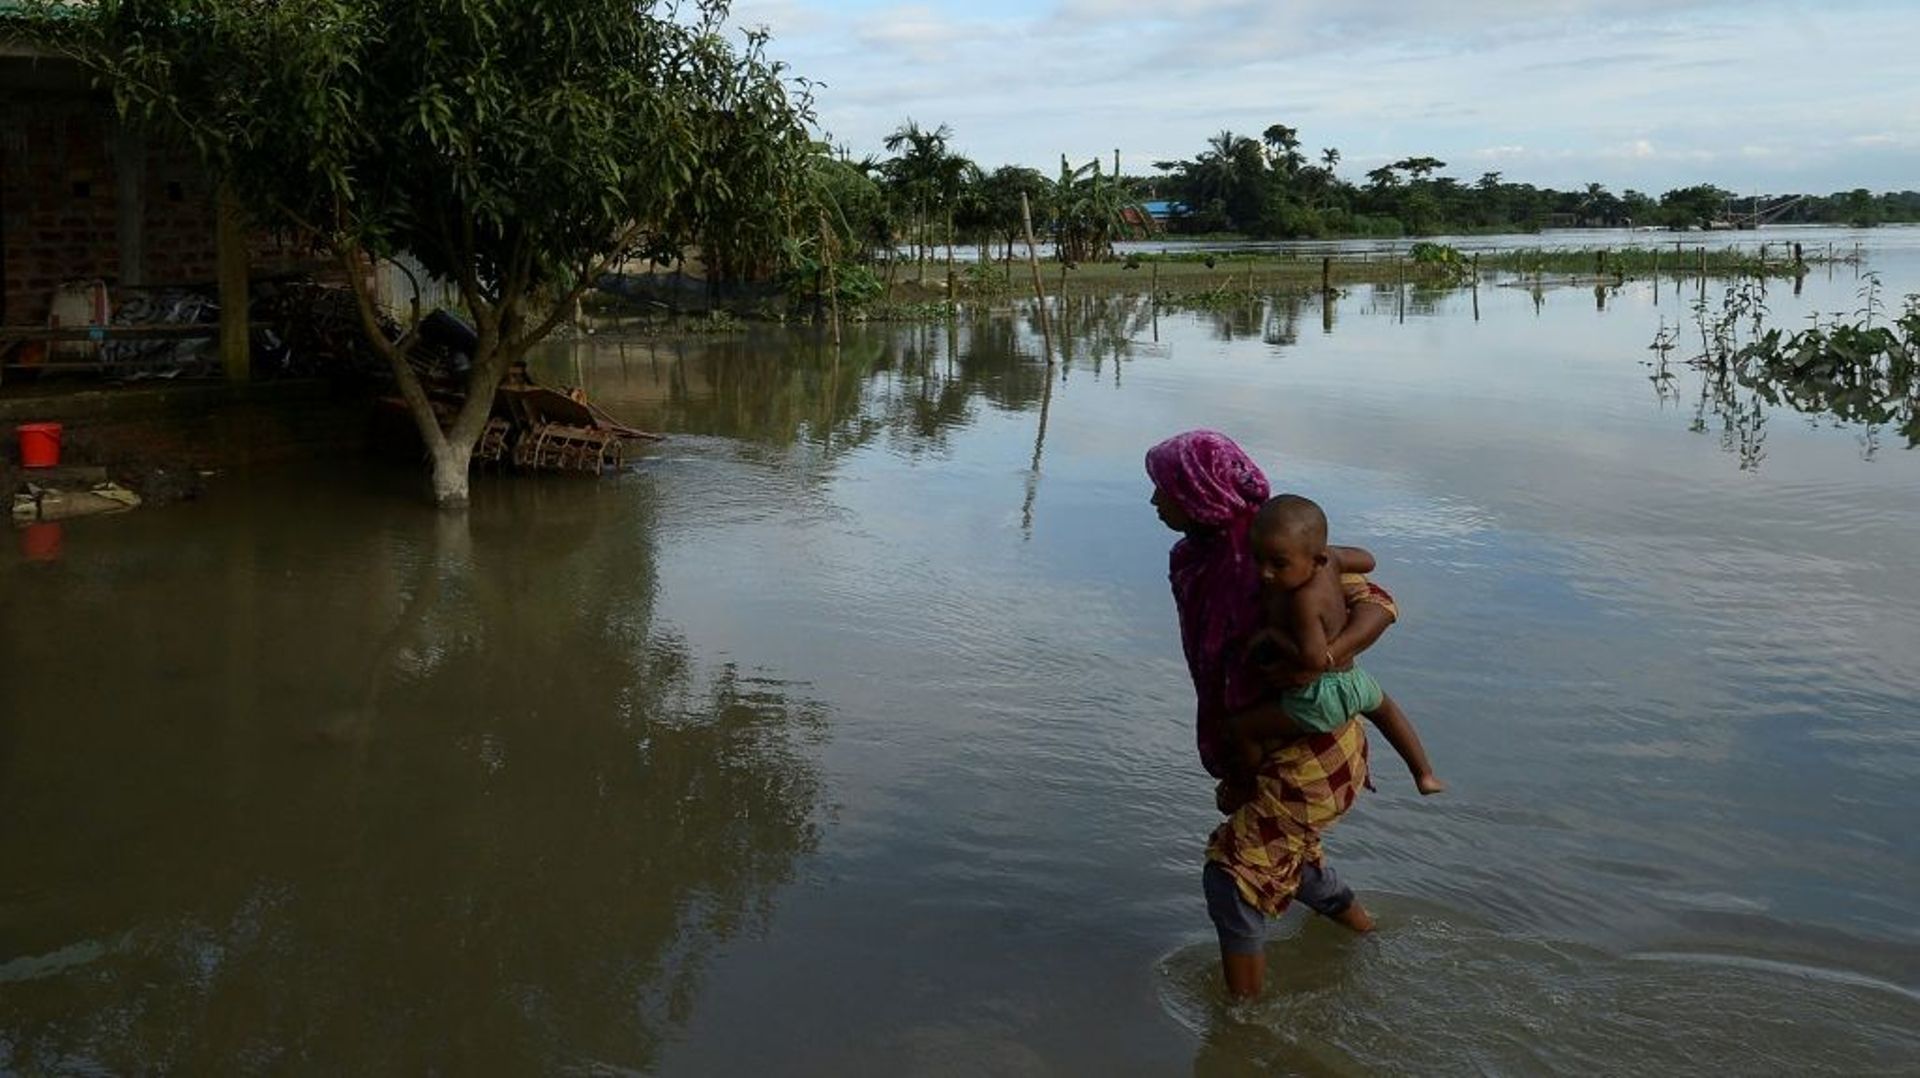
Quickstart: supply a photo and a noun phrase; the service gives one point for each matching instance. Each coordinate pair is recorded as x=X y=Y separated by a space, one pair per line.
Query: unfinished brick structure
x=82 y=197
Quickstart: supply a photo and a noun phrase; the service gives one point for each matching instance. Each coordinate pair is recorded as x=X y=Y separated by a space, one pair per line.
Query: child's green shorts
x=1332 y=699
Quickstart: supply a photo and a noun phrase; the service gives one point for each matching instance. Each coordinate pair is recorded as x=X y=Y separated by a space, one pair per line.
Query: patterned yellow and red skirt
x=1303 y=786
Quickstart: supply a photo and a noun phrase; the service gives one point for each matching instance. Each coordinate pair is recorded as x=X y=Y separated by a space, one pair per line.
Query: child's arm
x=1309 y=633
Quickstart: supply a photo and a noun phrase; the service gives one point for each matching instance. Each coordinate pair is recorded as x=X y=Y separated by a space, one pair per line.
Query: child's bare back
x=1320 y=599
x=1307 y=609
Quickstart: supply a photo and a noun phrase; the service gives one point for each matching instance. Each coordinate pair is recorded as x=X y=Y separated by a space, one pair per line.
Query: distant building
x=1163 y=210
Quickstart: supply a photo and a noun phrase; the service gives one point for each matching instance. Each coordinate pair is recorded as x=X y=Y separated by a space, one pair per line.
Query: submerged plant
x=1864 y=371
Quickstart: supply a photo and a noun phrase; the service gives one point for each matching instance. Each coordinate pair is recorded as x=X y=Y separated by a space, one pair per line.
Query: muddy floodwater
x=847 y=732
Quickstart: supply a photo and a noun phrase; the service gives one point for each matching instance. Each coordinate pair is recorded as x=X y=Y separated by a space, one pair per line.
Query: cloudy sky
x=1760 y=96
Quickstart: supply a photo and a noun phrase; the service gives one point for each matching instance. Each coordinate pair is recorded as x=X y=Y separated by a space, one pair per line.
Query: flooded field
x=848 y=732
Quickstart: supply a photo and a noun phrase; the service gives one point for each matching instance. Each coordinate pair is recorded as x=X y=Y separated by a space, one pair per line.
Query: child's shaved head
x=1293 y=519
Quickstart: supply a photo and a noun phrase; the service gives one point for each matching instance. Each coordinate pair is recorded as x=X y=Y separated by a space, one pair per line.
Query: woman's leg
x=1246 y=974
x=1322 y=892
x=1242 y=930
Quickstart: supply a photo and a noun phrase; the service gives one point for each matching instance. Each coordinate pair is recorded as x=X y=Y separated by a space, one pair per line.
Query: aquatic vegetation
x=1622 y=263
x=1447 y=259
x=934 y=311
x=1862 y=368
x=1213 y=299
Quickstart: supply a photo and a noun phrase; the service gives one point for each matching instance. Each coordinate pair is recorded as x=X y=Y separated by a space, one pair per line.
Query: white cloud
x=1643 y=93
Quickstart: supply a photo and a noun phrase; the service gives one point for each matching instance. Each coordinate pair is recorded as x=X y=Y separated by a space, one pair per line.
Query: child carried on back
x=1306 y=609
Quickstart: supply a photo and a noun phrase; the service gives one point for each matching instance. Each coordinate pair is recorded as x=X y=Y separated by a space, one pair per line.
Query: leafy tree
x=514 y=147
x=855 y=205
x=1090 y=211
x=1224 y=185
x=1699 y=205
x=1857 y=207
x=1638 y=207
x=1384 y=177
x=1598 y=206
x=1000 y=193
x=1420 y=167
x=760 y=186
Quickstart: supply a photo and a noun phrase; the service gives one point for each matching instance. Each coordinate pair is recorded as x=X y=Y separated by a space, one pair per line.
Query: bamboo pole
x=1400 y=285
x=833 y=288
x=1039 y=290
x=230 y=258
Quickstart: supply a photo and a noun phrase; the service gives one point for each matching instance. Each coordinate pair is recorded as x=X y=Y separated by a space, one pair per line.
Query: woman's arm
x=1353 y=559
x=1367 y=621
x=1370 y=610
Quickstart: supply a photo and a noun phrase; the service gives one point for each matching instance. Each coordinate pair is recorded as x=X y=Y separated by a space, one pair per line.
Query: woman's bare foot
x=1355 y=917
x=1428 y=784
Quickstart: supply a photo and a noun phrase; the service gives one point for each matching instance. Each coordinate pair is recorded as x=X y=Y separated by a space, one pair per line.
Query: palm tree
x=919 y=174
x=1283 y=143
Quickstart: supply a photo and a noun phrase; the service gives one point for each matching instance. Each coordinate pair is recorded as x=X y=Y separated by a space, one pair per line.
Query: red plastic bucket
x=39 y=445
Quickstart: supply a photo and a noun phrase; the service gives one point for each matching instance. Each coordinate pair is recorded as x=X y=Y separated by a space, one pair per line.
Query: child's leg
x=1398 y=730
x=1242 y=930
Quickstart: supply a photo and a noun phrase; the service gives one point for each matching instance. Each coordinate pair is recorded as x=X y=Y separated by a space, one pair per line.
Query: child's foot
x=1428 y=784
x=1355 y=917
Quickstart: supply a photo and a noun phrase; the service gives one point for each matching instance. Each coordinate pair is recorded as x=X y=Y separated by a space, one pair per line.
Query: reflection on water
x=847 y=732
x=781 y=388
x=430 y=793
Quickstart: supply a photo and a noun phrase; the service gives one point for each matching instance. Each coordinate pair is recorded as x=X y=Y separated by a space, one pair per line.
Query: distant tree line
x=1270 y=187
x=922 y=196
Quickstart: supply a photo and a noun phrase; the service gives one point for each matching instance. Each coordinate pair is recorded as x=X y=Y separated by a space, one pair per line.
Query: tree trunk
x=451 y=451
x=450 y=466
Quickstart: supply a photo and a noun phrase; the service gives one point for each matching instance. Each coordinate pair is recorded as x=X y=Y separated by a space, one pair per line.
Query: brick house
x=83 y=197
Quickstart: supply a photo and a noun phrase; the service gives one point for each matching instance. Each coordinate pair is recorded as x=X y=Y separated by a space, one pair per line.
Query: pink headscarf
x=1215 y=583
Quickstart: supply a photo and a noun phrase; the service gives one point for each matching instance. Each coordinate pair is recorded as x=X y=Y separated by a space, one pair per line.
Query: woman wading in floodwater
x=1267 y=852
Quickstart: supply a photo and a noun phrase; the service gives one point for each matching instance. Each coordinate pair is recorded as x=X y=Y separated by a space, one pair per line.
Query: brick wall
x=59 y=207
